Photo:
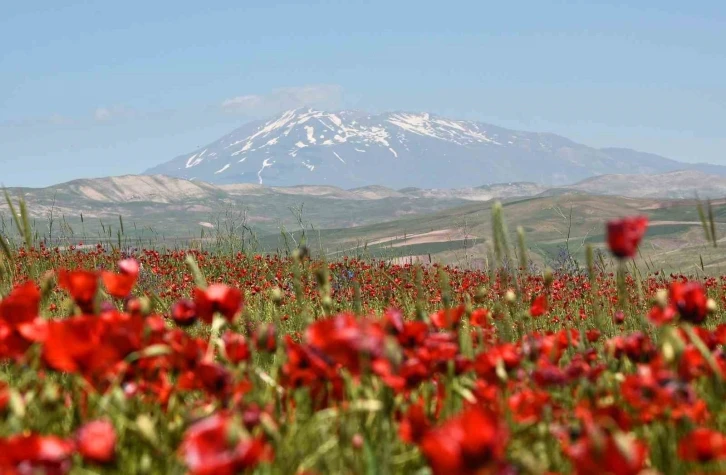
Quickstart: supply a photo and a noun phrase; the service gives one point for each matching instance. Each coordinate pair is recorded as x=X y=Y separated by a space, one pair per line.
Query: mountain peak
x=397 y=149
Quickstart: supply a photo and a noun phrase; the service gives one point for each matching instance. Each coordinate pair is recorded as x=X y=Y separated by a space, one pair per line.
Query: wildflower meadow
x=210 y=361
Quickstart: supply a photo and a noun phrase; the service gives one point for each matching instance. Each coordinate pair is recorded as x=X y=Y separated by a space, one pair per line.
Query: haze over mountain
x=348 y=149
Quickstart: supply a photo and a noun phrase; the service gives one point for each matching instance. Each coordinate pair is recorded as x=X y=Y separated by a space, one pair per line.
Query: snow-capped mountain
x=350 y=149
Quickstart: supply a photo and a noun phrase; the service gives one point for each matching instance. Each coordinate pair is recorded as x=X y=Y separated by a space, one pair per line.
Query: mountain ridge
x=161 y=189
x=349 y=149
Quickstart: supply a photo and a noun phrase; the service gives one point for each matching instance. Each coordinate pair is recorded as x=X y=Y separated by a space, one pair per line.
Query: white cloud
x=105 y=114
x=102 y=114
x=242 y=102
x=323 y=96
x=51 y=120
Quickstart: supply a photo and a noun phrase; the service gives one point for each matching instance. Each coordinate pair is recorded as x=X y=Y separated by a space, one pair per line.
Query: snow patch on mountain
x=222 y=169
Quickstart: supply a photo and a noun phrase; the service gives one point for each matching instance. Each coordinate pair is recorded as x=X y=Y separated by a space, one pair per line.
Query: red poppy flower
x=637 y=346
x=393 y=321
x=528 y=405
x=539 y=306
x=413 y=335
x=20 y=325
x=479 y=317
x=35 y=454
x=184 y=313
x=447 y=318
x=414 y=424
x=214 y=446
x=488 y=363
x=208 y=376
x=4 y=397
x=218 y=298
x=305 y=367
x=21 y=305
x=601 y=452
x=97 y=441
x=661 y=315
x=92 y=346
x=702 y=445
x=120 y=285
x=71 y=343
x=347 y=340
x=690 y=300
x=624 y=235
x=467 y=444
x=82 y=285
x=235 y=347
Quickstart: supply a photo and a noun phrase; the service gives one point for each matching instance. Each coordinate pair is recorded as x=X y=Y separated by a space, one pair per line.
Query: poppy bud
x=16 y=403
x=276 y=296
x=265 y=338
x=146 y=427
x=47 y=283
x=669 y=353
x=548 y=277
x=510 y=297
x=145 y=463
x=139 y=306
x=673 y=345
x=133 y=306
x=711 y=305
x=480 y=295
x=357 y=441
x=392 y=351
x=661 y=298
x=235 y=431
x=50 y=394
x=321 y=276
x=301 y=253
x=619 y=317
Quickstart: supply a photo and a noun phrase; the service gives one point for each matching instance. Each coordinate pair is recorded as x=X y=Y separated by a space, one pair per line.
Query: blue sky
x=95 y=88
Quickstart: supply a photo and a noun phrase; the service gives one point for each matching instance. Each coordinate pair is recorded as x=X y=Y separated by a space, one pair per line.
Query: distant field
x=675 y=242
x=337 y=222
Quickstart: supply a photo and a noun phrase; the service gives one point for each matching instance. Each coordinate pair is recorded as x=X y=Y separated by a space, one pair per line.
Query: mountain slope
x=176 y=207
x=684 y=184
x=351 y=149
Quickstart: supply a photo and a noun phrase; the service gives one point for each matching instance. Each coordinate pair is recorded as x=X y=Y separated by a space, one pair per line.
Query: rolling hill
x=452 y=225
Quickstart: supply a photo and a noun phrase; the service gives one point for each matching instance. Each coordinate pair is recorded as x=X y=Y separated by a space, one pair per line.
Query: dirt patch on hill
x=442 y=235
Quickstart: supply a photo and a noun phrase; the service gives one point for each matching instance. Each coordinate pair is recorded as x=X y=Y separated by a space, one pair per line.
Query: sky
x=98 y=88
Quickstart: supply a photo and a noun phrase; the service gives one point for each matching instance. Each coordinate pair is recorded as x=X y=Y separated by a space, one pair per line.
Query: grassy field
x=158 y=360
x=462 y=235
